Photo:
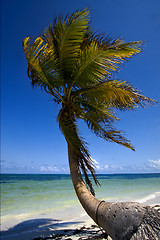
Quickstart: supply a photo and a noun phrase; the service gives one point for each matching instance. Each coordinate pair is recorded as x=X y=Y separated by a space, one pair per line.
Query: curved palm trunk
x=121 y=221
x=88 y=201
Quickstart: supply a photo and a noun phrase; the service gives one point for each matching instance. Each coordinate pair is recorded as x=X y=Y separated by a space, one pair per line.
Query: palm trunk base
x=122 y=220
x=127 y=220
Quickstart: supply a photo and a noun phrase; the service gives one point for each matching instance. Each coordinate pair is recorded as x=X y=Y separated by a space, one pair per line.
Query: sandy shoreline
x=49 y=228
x=45 y=227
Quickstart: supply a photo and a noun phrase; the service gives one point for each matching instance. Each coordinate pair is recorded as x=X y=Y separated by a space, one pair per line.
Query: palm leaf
x=106 y=131
x=100 y=122
x=76 y=66
x=42 y=66
x=70 y=131
x=114 y=94
x=79 y=149
x=98 y=61
x=66 y=37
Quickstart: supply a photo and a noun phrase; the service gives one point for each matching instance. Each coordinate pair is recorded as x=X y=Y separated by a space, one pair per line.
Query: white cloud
x=15 y=168
x=105 y=167
x=154 y=163
x=116 y=167
x=98 y=166
x=49 y=169
x=149 y=166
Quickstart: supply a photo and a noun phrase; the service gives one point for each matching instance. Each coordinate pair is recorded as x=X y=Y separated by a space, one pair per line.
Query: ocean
x=30 y=196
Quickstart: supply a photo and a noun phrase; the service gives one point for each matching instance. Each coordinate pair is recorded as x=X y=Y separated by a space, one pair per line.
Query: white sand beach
x=50 y=228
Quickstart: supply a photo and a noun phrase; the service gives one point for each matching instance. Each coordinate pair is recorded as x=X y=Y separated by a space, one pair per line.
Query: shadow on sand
x=47 y=228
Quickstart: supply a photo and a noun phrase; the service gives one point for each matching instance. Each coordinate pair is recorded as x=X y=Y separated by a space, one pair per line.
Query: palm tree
x=76 y=67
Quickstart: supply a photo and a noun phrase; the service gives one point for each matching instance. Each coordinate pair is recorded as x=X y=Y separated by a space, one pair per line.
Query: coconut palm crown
x=76 y=67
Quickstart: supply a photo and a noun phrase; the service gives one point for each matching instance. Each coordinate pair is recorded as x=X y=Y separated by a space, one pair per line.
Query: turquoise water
x=30 y=195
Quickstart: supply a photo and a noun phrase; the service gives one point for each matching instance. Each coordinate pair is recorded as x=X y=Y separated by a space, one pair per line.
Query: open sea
x=29 y=196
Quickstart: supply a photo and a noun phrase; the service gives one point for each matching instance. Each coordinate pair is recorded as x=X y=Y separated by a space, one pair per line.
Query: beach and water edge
x=44 y=206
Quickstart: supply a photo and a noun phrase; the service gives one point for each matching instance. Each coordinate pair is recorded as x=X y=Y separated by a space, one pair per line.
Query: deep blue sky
x=31 y=140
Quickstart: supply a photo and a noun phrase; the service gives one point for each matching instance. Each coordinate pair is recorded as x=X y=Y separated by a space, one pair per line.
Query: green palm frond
x=100 y=122
x=91 y=68
x=113 y=94
x=66 y=37
x=98 y=102
x=76 y=67
x=98 y=61
x=69 y=129
x=99 y=112
x=106 y=131
x=42 y=66
x=51 y=57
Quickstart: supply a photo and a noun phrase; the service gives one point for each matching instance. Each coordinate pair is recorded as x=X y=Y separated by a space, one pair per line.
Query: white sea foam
x=153 y=198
